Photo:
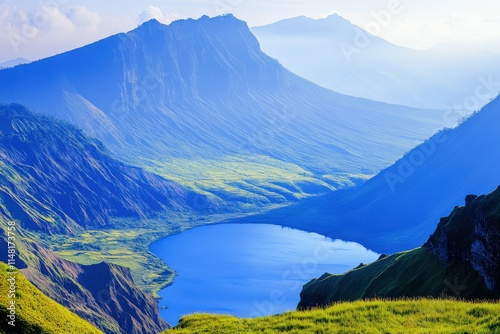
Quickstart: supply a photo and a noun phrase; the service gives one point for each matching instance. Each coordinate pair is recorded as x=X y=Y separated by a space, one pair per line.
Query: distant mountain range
x=398 y=208
x=460 y=260
x=198 y=97
x=341 y=56
x=14 y=62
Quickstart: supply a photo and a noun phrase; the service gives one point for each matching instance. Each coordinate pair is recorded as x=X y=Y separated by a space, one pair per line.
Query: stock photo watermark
x=455 y=288
x=226 y=6
x=291 y=281
x=380 y=20
x=487 y=90
x=12 y=272
x=139 y=91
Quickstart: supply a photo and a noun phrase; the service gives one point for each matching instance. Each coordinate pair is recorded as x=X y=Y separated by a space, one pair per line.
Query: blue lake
x=247 y=270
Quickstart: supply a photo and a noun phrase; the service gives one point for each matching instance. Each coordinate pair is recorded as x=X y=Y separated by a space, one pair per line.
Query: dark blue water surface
x=247 y=270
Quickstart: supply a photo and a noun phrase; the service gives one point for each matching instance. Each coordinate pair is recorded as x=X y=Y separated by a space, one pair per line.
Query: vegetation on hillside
x=461 y=259
x=35 y=312
x=59 y=181
x=416 y=273
x=374 y=316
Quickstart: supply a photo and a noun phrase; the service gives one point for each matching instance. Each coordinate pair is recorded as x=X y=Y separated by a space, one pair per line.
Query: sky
x=36 y=29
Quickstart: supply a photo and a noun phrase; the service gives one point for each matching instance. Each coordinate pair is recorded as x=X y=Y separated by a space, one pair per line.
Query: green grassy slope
x=401 y=316
x=35 y=312
x=416 y=273
x=460 y=259
x=54 y=179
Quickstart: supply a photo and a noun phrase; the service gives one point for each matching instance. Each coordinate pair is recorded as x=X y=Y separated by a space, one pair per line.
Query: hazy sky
x=39 y=28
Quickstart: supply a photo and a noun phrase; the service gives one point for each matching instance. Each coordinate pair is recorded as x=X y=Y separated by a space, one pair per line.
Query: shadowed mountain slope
x=398 y=208
x=103 y=294
x=55 y=179
x=35 y=312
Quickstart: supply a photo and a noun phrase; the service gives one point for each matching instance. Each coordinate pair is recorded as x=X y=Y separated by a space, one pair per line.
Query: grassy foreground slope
x=376 y=316
x=35 y=312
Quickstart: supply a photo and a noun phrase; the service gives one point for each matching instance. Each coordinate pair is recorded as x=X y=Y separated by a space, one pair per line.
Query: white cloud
x=420 y=24
x=453 y=29
x=153 y=12
x=42 y=31
x=83 y=17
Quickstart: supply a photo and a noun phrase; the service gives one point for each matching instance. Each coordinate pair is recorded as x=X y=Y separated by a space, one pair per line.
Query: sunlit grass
x=375 y=316
x=35 y=312
x=260 y=180
x=128 y=248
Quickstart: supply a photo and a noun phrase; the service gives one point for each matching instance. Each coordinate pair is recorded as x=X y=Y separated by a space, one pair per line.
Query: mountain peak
x=152 y=23
x=306 y=25
x=225 y=19
x=337 y=18
x=227 y=28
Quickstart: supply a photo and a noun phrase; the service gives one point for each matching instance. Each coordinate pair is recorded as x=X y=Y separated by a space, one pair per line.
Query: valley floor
x=374 y=316
x=126 y=243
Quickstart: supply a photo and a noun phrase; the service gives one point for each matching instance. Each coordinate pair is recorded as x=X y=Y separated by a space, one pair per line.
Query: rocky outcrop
x=461 y=259
x=471 y=235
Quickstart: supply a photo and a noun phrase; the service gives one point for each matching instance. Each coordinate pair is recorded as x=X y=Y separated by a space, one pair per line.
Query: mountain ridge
x=103 y=294
x=195 y=90
x=62 y=181
x=35 y=312
x=397 y=209
x=344 y=57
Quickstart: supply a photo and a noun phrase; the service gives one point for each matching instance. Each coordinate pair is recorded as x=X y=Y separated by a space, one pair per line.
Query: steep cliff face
x=55 y=179
x=35 y=312
x=461 y=259
x=471 y=235
x=103 y=294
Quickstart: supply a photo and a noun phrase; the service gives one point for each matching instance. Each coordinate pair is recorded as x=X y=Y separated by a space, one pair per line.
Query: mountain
x=197 y=100
x=35 y=312
x=461 y=259
x=103 y=294
x=398 y=208
x=14 y=62
x=55 y=179
x=57 y=182
x=341 y=56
